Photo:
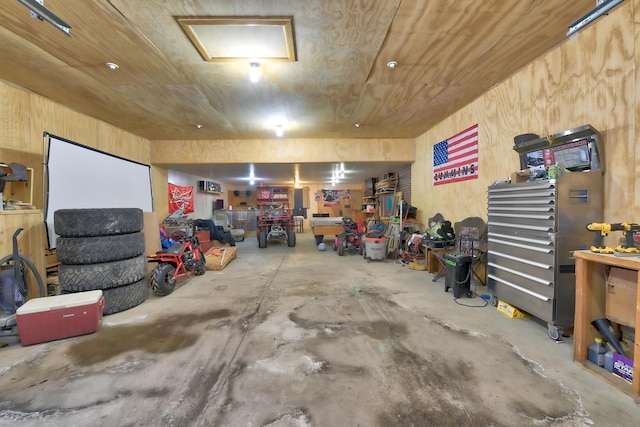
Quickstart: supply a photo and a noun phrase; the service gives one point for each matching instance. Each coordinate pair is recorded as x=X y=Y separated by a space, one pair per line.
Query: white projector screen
x=82 y=177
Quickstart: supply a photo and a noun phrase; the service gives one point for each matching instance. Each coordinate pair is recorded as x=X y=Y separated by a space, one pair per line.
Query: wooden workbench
x=591 y=276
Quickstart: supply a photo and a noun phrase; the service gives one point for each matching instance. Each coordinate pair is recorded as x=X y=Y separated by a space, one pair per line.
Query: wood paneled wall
x=25 y=116
x=404 y=182
x=283 y=151
x=590 y=79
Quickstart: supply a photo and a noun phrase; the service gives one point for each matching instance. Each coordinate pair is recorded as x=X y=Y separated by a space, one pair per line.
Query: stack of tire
x=102 y=249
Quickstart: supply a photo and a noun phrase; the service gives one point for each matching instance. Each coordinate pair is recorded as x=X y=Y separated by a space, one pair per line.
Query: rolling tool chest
x=534 y=227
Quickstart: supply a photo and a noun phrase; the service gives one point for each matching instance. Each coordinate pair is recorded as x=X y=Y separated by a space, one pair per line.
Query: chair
x=471 y=239
x=220 y=219
x=436 y=249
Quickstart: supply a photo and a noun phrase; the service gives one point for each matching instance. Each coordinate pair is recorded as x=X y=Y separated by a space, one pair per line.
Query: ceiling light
x=392 y=64
x=601 y=9
x=42 y=13
x=279 y=131
x=199 y=126
x=112 y=65
x=254 y=72
x=357 y=125
x=251 y=182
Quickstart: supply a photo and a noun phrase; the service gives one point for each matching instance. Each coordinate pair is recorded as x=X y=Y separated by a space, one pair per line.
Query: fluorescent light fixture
x=42 y=13
x=600 y=10
x=254 y=72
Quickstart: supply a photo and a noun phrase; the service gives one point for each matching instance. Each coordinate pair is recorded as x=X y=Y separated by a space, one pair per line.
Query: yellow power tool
x=603 y=229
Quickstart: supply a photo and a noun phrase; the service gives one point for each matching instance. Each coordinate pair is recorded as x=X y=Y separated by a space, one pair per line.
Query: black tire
x=162 y=281
x=341 y=250
x=291 y=239
x=262 y=240
x=95 y=250
x=97 y=222
x=125 y=297
x=77 y=278
x=201 y=265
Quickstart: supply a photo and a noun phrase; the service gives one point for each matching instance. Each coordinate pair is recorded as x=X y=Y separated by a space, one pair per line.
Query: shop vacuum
x=458 y=274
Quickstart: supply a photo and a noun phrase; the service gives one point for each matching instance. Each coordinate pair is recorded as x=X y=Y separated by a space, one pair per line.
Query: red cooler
x=61 y=316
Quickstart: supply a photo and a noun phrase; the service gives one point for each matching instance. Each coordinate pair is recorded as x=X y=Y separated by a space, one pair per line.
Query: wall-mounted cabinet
x=20 y=191
x=209 y=187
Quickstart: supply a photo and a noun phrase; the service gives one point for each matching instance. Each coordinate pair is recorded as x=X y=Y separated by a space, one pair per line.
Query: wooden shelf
x=591 y=270
x=19 y=190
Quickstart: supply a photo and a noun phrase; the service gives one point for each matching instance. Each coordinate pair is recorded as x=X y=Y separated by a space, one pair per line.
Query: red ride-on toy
x=350 y=240
x=182 y=259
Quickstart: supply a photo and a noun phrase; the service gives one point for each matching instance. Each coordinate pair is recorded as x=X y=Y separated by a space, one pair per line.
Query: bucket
x=375 y=248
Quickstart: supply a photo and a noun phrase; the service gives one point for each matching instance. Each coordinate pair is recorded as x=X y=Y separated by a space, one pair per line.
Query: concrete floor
x=297 y=337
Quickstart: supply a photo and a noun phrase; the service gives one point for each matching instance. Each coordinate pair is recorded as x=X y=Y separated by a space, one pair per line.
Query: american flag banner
x=456 y=159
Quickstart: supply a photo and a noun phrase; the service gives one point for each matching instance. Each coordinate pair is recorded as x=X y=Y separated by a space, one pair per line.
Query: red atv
x=182 y=259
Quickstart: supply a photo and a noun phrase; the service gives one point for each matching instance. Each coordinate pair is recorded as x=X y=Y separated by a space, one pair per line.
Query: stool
x=241 y=224
x=298 y=223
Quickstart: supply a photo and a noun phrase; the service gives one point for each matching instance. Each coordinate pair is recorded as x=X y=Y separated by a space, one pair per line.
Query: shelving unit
x=242 y=199
x=209 y=187
x=19 y=190
x=591 y=277
x=275 y=220
x=369 y=204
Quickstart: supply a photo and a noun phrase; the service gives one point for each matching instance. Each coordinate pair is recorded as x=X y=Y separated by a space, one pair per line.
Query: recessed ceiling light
x=392 y=64
x=357 y=125
x=112 y=66
x=199 y=126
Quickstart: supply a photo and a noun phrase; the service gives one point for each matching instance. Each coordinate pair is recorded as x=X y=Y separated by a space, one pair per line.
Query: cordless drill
x=602 y=229
x=629 y=229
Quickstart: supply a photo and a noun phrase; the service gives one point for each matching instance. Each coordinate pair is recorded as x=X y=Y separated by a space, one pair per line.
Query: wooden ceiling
x=448 y=53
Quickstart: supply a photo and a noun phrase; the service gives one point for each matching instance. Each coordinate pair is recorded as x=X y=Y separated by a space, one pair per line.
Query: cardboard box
x=520 y=176
x=622 y=285
x=623 y=367
x=60 y=316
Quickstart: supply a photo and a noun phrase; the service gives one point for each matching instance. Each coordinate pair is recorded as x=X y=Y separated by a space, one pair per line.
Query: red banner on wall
x=180 y=198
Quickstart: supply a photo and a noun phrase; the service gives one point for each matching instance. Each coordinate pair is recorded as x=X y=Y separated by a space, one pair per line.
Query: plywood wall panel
x=24 y=117
x=282 y=151
x=590 y=79
x=14 y=119
x=635 y=135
